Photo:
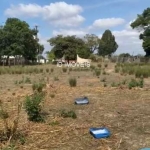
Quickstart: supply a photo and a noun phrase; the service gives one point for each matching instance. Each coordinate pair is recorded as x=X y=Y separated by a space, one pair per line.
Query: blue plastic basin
x=145 y=149
x=99 y=132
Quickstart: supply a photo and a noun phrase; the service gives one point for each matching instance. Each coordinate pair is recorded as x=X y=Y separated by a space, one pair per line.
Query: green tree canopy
x=16 y=38
x=69 y=46
x=92 y=42
x=50 y=55
x=142 y=22
x=107 y=44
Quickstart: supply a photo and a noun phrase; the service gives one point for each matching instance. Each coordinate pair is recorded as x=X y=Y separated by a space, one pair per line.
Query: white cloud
x=128 y=41
x=79 y=33
x=43 y=41
x=106 y=23
x=30 y=10
x=59 y=13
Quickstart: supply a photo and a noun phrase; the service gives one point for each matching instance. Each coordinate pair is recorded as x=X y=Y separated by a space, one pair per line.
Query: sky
x=73 y=17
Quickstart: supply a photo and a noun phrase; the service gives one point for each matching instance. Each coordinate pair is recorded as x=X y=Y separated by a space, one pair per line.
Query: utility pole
x=36 y=37
x=36 y=29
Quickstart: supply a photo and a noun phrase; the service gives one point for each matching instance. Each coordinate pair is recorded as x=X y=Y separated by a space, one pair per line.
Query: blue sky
x=72 y=17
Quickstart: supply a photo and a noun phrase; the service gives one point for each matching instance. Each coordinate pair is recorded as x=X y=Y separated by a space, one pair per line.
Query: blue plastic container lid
x=100 y=132
x=82 y=100
x=145 y=149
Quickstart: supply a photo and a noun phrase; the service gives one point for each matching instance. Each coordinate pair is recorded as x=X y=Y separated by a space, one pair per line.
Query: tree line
x=70 y=46
x=17 y=38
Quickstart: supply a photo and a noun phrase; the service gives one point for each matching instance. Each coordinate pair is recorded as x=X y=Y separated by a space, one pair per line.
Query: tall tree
x=16 y=38
x=107 y=44
x=69 y=46
x=142 y=22
x=92 y=42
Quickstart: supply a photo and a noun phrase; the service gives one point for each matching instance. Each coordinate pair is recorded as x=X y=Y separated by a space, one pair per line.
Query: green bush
x=33 y=107
x=135 y=83
x=72 y=82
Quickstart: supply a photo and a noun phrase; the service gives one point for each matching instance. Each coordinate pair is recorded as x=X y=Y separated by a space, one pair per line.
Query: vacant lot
x=125 y=111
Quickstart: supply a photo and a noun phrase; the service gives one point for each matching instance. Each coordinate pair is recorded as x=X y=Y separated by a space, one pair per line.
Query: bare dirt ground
x=124 y=112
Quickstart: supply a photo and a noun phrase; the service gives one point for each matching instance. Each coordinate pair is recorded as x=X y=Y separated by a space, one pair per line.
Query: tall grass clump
x=97 y=72
x=10 y=131
x=38 y=87
x=68 y=114
x=72 y=82
x=139 y=70
x=64 y=69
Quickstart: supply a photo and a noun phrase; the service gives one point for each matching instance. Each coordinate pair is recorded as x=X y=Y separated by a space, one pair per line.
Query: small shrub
x=52 y=70
x=72 y=82
x=52 y=95
x=9 y=147
x=117 y=70
x=103 y=80
x=99 y=65
x=33 y=107
x=41 y=70
x=13 y=93
x=38 y=87
x=97 y=72
x=141 y=83
x=70 y=69
x=106 y=65
x=64 y=69
x=124 y=82
x=105 y=85
x=92 y=67
x=56 y=79
x=104 y=72
x=47 y=70
x=113 y=84
x=66 y=114
x=27 y=80
x=133 y=83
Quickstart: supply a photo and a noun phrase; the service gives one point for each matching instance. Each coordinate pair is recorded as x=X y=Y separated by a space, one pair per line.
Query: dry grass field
x=125 y=112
